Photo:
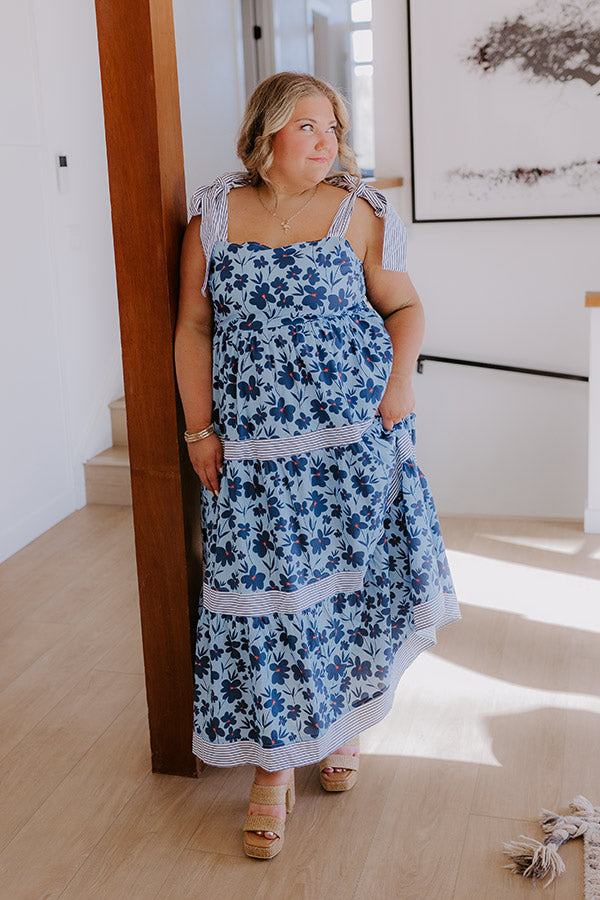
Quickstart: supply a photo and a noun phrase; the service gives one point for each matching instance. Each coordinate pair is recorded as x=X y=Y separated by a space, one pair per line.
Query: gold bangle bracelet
x=199 y=435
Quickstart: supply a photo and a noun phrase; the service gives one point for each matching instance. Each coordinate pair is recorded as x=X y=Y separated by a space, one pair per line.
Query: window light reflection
x=361 y=11
x=362 y=46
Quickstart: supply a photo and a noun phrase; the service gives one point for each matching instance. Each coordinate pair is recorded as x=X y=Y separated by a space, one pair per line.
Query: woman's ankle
x=262 y=776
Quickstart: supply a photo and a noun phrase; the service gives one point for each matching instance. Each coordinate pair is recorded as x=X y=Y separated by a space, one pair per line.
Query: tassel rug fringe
x=536 y=860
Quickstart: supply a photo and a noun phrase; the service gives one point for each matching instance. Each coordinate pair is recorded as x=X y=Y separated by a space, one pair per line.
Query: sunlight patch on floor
x=498 y=665
x=571 y=546
x=446 y=711
x=543 y=595
x=438 y=713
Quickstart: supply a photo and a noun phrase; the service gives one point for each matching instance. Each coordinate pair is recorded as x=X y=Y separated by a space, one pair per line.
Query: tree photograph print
x=505 y=108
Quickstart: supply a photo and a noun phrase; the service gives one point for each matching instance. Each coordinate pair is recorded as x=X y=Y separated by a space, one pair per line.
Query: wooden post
x=147 y=188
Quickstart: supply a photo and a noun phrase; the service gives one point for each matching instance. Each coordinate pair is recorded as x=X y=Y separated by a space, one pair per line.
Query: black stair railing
x=425 y=357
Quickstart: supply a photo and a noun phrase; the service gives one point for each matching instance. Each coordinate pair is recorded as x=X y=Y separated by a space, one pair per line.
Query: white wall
x=211 y=87
x=509 y=292
x=210 y=64
x=60 y=357
x=502 y=291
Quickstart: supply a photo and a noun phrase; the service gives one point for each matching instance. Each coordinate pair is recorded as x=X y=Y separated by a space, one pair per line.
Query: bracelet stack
x=199 y=435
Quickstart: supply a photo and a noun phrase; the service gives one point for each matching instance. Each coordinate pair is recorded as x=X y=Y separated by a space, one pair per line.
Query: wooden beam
x=592 y=298
x=383 y=183
x=147 y=188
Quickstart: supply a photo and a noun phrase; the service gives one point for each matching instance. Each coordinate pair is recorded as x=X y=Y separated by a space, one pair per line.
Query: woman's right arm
x=193 y=358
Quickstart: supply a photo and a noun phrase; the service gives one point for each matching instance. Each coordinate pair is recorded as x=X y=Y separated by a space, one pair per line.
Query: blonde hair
x=271 y=106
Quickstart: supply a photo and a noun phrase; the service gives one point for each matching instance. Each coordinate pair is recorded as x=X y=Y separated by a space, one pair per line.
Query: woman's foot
x=268 y=779
x=343 y=776
x=350 y=749
x=272 y=797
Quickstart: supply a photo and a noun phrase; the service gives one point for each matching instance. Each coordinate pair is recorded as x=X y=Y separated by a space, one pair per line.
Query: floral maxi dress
x=325 y=574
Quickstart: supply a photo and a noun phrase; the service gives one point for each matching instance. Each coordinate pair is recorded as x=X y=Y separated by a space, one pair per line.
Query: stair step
x=108 y=478
x=118 y=421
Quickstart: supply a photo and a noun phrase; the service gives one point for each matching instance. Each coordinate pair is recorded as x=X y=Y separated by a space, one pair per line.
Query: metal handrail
x=423 y=357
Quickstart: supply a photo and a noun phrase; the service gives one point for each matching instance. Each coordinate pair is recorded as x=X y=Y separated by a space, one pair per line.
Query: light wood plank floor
x=500 y=719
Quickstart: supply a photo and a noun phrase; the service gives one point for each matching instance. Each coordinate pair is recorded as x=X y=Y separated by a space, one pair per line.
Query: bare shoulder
x=239 y=197
x=365 y=231
x=192 y=233
x=192 y=253
x=194 y=224
x=365 y=214
x=330 y=197
x=333 y=192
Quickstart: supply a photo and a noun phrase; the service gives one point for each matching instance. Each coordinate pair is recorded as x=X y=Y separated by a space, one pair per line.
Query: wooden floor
x=500 y=719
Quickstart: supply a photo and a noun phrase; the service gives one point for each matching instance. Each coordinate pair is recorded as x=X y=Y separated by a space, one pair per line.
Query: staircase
x=107 y=476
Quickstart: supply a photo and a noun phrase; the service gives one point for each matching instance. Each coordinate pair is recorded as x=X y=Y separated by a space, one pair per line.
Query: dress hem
x=436 y=614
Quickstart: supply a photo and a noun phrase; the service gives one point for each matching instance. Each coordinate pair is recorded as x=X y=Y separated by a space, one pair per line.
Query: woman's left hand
x=398 y=400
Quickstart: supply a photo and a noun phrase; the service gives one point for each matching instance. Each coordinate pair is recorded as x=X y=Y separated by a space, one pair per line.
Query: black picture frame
x=499 y=127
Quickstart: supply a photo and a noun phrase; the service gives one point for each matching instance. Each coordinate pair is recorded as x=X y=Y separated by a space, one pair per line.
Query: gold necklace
x=285 y=223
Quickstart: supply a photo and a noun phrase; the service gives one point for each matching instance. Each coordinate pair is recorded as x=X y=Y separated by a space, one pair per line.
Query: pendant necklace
x=285 y=223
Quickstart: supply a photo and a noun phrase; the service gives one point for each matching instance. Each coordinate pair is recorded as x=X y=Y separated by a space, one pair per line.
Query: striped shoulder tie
x=210 y=201
x=394 y=233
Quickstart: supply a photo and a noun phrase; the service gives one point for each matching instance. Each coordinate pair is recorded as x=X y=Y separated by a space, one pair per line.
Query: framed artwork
x=505 y=109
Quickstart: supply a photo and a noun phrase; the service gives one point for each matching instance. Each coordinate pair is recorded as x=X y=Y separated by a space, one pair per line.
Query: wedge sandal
x=339 y=781
x=258 y=846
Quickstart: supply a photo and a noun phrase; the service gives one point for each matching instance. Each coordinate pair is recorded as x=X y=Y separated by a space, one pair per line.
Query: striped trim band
x=404 y=451
x=442 y=611
x=428 y=615
x=265 y=603
x=274 y=448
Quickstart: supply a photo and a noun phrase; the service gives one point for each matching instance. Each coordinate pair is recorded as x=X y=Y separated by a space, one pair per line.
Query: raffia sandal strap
x=265 y=823
x=268 y=794
x=340 y=761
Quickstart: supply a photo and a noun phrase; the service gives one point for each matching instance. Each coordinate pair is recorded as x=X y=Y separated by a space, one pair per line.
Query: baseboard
x=28 y=529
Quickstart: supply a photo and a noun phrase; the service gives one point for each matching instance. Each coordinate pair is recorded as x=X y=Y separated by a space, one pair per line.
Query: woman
x=325 y=573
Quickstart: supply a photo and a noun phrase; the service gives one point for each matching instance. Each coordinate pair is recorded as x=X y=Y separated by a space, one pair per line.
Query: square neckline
x=295 y=244
x=350 y=196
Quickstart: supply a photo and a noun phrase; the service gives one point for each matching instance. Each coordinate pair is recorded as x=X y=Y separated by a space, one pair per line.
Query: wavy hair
x=271 y=106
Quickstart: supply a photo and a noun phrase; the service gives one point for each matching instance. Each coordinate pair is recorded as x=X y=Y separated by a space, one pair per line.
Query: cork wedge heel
x=257 y=846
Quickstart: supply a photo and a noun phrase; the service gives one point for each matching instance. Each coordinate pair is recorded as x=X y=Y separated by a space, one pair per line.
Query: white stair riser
x=108 y=484
x=107 y=475
x=118 y=421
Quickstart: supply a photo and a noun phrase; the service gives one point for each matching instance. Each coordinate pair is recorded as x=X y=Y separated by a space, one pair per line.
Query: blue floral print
x=325 y=572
